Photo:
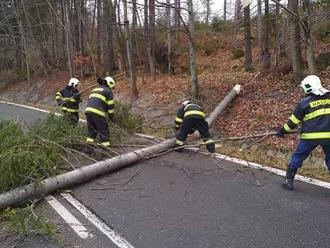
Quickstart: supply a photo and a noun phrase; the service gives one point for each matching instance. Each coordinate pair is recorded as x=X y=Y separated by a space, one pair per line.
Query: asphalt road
x=190 y=200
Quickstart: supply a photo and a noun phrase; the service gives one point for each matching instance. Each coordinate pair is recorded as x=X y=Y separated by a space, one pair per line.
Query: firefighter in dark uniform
x=313 y=113
x=68 y=100
x=190 y=117
x=100 y=109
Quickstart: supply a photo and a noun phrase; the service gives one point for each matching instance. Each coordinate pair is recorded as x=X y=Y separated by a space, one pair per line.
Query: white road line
x=103 y=227
x=234 y=160
x=34 y=108
x=75 y=224
x=276 y=171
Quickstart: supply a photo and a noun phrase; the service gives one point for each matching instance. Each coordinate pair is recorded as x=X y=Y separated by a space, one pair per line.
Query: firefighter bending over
x=190 y=117
x=68 y=100
x=313 y=113
x=100 y=109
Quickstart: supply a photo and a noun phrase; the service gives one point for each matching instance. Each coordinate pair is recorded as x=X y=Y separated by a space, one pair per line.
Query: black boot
x=290 y=174
x=210 y=147
x=178 y=148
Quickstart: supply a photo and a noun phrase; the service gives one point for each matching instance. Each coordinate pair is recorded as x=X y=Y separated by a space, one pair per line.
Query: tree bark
x=295 y=41
x=208 y=11
x=265 y=38
x=67 y=32
x=151 y=38
x=109 y=24
x=259 y=31
x=192 y=52
x=98 y=31
x=277 y=45
x=247 y=39
x=131 y=62
x=306 y=23
x=169 y=43
x=225 y=10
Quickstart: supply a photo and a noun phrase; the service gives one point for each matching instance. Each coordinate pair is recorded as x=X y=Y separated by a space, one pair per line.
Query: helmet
x=110 y=82
x=312 y=84
x=185 y=103
x=73 y=82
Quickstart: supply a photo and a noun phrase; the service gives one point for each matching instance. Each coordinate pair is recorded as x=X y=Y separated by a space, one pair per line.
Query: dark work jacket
x=189 y=111
x=100 y=102
x=69 y=99
x=313 y=113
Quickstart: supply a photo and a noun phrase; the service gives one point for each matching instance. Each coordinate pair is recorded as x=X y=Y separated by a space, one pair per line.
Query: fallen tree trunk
x=89 y=172
x=223 y=104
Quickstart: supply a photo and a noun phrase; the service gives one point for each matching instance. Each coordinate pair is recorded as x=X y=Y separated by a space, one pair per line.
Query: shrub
x=219 y=25
x=323 y=32
x=210 y=47
x=124 y=119
x=238 y=53
x=322 y=61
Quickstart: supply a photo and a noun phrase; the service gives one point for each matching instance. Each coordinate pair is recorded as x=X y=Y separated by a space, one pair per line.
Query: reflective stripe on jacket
x=190 y=111
x=69 y=99
x=101 y=101
x=313 y=113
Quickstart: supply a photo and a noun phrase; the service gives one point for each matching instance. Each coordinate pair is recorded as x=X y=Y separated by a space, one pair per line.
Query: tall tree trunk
x=192 y=52
x=277 y=44
x=109 y=24
x=306 y=23
x=177 y=13
x=147 y=56
x=207 y=17
x=131 y=62
x=295 y=42
x=247 y=32
x=265 y=38
x=67 y=32
x=152 y=38
x=98 y=31
x=169 y=43
x=259 y=31
x=225 y=10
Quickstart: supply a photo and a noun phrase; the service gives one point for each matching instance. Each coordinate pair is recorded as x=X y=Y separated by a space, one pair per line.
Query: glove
x=281 y=133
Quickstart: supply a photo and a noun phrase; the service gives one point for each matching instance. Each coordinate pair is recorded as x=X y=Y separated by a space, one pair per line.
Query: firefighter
x=100 y=109
x=313 y=113
x=68 y=100
x=190 y=117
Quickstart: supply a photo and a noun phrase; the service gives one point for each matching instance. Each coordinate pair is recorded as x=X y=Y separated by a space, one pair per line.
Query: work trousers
x=98 y=125
x=303 y=149
x=189 y=125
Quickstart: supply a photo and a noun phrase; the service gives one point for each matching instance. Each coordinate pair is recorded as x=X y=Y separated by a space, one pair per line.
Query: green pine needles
x=29 y=154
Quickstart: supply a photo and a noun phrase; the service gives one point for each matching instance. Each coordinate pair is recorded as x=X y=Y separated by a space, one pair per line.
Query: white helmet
x=73 y=82
x=110 y=82
x=312 y=84
x=185 y=103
